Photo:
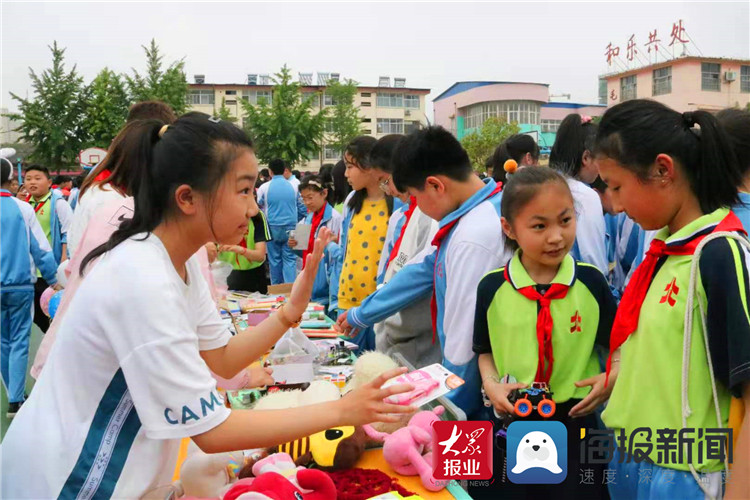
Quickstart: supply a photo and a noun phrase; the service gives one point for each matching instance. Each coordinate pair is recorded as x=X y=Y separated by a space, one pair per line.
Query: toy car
x=537 y=397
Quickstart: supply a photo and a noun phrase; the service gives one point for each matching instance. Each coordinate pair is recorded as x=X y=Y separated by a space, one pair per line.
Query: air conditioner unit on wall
x=730 y=76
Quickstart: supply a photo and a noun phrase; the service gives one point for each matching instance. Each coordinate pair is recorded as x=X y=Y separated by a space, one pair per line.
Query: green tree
x=52 y=120
x=345 y=122
x=286 y=127
x=107 y=108
x=168 y=85
x=480 y=144
x=223 y=113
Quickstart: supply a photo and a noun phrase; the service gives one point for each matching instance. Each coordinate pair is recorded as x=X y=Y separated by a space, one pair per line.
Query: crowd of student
x=584 y=275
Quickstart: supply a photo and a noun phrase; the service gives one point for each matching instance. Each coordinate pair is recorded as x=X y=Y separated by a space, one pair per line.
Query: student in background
x=54 y=215
x=315 y=194
x=366 y=213
x=290 y=176
x=410 y=234
x=23 y=249
x=249 y=257
x=431 y=166
x=571 y=155
x=519 y=147
x=341 y=187
x=667 y=175
x=73 y=198
x=281 y=201
x=736 y=123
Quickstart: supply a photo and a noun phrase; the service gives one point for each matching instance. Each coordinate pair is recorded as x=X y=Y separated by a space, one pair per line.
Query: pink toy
x=423 y=385
x=409 y=450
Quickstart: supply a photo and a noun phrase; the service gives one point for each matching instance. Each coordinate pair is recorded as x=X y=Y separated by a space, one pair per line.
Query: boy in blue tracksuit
x=433 y=167
x=282 y=213
x=22 y=244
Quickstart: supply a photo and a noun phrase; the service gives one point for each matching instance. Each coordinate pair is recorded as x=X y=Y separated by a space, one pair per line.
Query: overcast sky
x=431 y=44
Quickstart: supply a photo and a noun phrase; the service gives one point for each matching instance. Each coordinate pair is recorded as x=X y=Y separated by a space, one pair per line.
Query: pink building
x=684 y=84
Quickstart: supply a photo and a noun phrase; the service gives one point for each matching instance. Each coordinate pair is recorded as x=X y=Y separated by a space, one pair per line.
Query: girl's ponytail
x=635 y=132
x=135 y=146
x=717 y=174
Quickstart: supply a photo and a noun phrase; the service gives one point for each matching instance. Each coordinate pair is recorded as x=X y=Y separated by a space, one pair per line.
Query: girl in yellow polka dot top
x=366 y=214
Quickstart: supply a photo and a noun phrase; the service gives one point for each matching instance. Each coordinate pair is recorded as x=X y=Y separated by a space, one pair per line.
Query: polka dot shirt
x=365 y=241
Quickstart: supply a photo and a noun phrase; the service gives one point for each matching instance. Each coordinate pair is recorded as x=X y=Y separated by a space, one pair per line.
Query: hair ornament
x=510 y=166
x=162 y=130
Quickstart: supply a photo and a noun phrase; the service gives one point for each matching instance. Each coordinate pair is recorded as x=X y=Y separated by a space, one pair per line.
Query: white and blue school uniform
x=473 y=247
x=23 y=247
x=590 y=245
x=282 y=214
x=322 y=286
x=395 y=224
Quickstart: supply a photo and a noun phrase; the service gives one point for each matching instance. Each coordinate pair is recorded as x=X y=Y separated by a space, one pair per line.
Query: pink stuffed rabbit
x=409 y=449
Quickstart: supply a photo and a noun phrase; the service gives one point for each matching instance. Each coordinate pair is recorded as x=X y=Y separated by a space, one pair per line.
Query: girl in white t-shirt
x=129 y=374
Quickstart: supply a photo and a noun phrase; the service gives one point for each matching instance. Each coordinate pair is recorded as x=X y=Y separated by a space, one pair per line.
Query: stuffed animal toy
x=336 y=448
x=205 y=475
x=278 y=478
x=409 y=450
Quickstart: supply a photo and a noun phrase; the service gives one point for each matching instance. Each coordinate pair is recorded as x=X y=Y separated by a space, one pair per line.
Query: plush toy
x=336 y=448
x=277 y=478
x=409 y=450
x=205 y=475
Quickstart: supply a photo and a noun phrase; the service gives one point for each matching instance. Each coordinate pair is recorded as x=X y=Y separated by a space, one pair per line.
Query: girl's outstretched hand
x=303 y=285
x=365 y=405
x=598 y=395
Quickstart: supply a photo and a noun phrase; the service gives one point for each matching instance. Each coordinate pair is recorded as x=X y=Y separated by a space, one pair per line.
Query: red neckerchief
x=628 y=313
x=40 y=204
x=397 y=245
x=316 y=220
x=3 y=194
x=103 y=175
x=436 y=242
x=544 y=324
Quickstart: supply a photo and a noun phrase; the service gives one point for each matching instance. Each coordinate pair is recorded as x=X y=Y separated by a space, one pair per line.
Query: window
x=329 y=153
x=232 y=102
x=745 y=79
x=365 y=94
x=367 y=131
x=526 y=112
x=411 y=101
x=231 y=92
x=328 y=100
x=662 y=83
x=550 y=125
x=710 y=73
x=256 y=96
x=329 y=126
x=388 y=100
x=365 y=104
x=390 y=126
x=628 y=88
x=201 y=97
x=366 y=120
x=310 y=95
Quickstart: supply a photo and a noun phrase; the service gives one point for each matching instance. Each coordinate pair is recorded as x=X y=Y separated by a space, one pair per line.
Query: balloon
x=44 y=300
x=62 y=277
x=54 y=303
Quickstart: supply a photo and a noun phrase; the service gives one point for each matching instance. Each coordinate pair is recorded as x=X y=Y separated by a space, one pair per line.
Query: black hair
x=6 y=171
x=359 y=149
x=317 y=184
x=61 y=179
x=515 y=148
x=341 y=187
x=38 y=168
x=572 y=140
x=521 y=187
x=326 y=173
x=195 y=150
x=297 y=174
x=152 y=110
x=429 y=151
x=599 y=184
x=736 y=123
x=78 y=180
x=381 y=155
x=635 y=132
x=277 y=166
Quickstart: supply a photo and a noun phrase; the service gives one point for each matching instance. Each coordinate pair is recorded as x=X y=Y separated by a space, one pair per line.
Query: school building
x=464 y=107
x=388 y=108
x=686 y=83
